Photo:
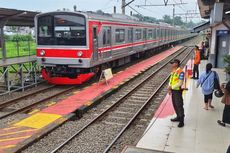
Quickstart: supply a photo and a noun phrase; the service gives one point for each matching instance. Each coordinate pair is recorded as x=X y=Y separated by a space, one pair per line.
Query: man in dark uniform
x=174 y=89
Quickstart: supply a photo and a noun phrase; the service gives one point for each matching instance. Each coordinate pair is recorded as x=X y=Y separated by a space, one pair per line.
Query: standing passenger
x=196 y=63
x=202 y=49
x=226 y=101
x=206 y=81
x=174 y=89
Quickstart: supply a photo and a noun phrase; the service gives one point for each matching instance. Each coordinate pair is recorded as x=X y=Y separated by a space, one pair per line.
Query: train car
x=73 y=46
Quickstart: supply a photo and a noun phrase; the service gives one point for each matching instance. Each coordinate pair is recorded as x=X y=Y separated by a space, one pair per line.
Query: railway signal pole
x=123 y=6
x=189 y=14
x=166 y=4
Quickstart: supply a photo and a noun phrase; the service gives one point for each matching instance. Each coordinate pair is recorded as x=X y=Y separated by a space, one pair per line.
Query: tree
x=167 y=19
x=100 y=12
x=178 y=21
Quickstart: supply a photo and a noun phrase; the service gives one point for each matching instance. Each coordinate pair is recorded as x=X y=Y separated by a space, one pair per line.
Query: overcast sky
x=104 y=5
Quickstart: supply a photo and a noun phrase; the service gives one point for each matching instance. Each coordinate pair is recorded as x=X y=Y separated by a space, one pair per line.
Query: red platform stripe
x=71 y=103
x=165 y=109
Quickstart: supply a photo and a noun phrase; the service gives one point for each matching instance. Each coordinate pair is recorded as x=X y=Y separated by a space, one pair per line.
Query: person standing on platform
x=206 y=81
x=225 y=100
x=202 y=50
x=196 y=63
x=206 y=45
x=174 y=89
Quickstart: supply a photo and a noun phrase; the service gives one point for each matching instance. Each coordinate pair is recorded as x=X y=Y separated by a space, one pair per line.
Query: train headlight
x=79 y=54
x=42 y=52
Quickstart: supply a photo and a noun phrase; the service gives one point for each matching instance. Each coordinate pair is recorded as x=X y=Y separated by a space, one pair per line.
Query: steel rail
x=116 y=103
x=140 y=110
x=12 y=101
x=36 y=103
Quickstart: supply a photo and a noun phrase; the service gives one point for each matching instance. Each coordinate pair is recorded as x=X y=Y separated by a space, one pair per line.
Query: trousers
x=178 y=103
x=226 y=114
x=196 y=70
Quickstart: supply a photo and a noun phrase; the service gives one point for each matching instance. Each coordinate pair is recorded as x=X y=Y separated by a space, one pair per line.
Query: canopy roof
x=13 y=17
x=206 y=6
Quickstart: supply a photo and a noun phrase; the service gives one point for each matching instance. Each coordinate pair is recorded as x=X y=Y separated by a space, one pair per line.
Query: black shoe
x=192 y=78
x=175 y=119
x=181 y=124
x=221 y=123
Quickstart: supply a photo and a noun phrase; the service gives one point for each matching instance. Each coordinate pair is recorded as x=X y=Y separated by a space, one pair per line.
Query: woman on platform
x=225 y=100
x=206 y=81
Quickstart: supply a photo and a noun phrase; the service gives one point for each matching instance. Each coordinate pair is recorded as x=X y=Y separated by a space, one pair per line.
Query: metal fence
x=19 y=48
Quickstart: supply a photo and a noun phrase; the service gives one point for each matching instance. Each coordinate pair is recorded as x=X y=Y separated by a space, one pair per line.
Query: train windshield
x=62 y=30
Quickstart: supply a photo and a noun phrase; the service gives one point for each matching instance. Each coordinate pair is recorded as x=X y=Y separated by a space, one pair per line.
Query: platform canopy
x=201 y=27
x=206 y=6
x=13 y=17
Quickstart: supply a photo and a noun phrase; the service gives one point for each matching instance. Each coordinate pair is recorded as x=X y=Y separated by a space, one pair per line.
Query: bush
x=22 y=38
x=227 y=61
x=7 y=37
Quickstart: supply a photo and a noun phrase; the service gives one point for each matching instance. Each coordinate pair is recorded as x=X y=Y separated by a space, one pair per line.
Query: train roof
x=111 y=17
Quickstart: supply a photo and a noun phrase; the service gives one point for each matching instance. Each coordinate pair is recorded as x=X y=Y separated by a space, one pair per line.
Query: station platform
x=17 y=135
x=17 y=60
x=201 y=133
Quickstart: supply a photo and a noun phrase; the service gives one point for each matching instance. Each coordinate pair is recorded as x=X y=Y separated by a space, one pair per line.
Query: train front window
x=62 y=30
x=45 y=29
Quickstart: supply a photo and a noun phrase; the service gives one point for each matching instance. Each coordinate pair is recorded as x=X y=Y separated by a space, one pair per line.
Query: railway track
x=29 y=101
x=121 y=114
x=67 y=130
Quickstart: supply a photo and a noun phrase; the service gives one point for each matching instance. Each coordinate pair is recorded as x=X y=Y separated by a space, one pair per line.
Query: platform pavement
x=16 y=136
x=17 y=60
x=201 y=133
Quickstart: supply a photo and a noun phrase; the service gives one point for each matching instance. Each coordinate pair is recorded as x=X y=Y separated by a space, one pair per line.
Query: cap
x=175 y=61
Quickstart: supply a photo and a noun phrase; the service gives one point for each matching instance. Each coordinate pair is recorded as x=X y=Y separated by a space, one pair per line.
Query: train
x=74 y=46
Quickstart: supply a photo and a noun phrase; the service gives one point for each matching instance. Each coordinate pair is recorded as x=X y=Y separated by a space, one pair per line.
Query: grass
x=22 y=48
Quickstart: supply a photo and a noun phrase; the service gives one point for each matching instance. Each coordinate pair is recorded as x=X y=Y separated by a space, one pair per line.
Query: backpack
x=216 y=81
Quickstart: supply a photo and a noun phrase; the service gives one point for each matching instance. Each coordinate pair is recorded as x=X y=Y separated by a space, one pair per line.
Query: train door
x=95 y=44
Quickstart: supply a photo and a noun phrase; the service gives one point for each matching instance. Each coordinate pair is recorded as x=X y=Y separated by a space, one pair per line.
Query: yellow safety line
x=9 y=146
x=10 y=128
x=34 y=111
x=18 y=132
x=3 y=140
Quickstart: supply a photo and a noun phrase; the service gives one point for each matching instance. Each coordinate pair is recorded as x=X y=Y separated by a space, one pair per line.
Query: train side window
x=104 y=37
x=144 y=34
x=161 y=33
x=130 y=35
x=150 y=34
x=154 y=33
x=138 y=34
x=120 y=35
x=157 y=33
x=94 y=33
x=108 y=36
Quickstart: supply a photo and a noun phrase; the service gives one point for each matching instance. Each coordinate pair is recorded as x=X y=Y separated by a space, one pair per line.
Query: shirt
x=176 y=79
x=197 y=57
x=208 y=84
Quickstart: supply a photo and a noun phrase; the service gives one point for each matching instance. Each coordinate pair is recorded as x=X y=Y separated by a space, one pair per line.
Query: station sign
x=222 y=32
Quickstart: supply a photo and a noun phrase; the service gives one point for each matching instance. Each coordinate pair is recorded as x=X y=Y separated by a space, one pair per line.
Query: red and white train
x=72 y=46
